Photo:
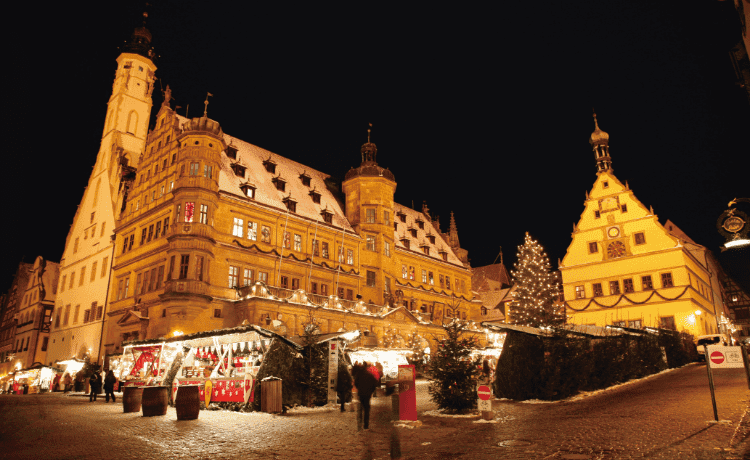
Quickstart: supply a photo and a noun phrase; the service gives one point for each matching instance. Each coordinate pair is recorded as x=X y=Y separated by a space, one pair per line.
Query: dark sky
x=486 y=112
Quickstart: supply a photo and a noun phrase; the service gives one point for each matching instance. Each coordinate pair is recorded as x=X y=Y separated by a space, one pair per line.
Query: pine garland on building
x=454 y=381
x=536 y=287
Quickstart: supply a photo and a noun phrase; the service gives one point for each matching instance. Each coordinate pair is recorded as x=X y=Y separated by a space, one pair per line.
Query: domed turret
x=598 y=136
x=140 y=41
x=599 y=141
x=369 y=165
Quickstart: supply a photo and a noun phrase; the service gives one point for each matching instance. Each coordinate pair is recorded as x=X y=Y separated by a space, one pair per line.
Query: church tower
x=87 y=259
x=369 y=191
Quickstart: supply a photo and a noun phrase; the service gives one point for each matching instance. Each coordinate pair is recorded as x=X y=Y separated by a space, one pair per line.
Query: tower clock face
x=616 y=249
x=613 y=232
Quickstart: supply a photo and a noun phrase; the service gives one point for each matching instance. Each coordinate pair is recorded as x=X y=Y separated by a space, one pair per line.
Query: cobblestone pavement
x=668 y=416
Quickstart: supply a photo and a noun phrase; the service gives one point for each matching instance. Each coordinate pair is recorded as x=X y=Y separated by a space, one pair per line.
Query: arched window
x=132 y=122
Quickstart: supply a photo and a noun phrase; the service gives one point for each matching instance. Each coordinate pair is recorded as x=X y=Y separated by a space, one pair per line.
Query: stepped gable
x=415 y=243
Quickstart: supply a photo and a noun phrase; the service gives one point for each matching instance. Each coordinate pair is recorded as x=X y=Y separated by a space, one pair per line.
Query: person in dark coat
x=343 y=386
x=109 y=385
x=365 y=383
x=95 y=382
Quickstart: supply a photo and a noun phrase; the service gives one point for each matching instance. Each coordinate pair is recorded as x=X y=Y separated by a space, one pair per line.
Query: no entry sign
x=717 y=357
x=722 y=357
x=484 y=392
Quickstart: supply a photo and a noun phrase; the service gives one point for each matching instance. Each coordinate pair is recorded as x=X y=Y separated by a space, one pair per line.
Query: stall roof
x=37 y=366
x=320 y=338
x=578 y=329
x=195 y=337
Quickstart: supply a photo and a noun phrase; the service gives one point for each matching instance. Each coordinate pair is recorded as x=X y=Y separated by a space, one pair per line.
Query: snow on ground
x=440 y=413
x=303 y=409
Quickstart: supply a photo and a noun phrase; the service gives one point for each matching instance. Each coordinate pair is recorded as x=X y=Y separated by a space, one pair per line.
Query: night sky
x=486 y=112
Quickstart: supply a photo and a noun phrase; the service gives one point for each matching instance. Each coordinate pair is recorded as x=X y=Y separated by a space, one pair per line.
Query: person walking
x=109 y=385
x=95 y=383
x=67 y=382
x=365 y=383
x=343 y=386
x=55 y=383
x=372 y=369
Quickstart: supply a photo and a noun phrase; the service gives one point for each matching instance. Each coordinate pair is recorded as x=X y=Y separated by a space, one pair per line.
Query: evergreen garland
x=453 y=386
x=535 y=287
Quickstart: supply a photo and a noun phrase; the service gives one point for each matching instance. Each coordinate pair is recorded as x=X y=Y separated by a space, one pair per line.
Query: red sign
x=484 y=392
x=717 y=357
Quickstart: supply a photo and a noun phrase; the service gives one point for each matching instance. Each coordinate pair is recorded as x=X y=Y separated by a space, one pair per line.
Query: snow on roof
x=416 y=243
x=252 y=157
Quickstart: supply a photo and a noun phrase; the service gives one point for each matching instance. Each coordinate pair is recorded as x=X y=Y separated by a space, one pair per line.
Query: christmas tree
x=536 y=288
x=454 y=381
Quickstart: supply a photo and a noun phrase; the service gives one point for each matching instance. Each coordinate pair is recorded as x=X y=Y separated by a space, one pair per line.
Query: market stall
x=36 y=378
x=390 y=358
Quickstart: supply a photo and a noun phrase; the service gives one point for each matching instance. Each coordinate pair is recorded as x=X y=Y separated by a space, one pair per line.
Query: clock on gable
x=616 y=249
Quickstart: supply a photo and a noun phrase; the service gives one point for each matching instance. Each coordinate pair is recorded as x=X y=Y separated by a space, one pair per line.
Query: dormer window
x=279 y=183
x=420 y=224
x=270 y=166
x=405 y=242
x=327 y=216
x=395 y=226
x=238 y=169
x=315 y=196
x=426 y=250
x=248 y=190
x=444 y=254
x=291 y=204
x=413 y=232
x=431 y=238
x=231 y=152
x=401 y=216
x=305 y=179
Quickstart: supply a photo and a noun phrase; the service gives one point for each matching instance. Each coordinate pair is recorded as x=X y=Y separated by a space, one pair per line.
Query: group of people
x=96 y=383
x=365 y=377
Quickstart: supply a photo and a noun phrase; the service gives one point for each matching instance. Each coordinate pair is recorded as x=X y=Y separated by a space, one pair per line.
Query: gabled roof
x=415 y=243
x=496 y=277
x=130 y=315
x=674 y=230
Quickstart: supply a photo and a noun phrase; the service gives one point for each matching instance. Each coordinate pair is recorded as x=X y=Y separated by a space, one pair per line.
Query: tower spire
x=205 y=103
x=369 y=151
x=599 y=141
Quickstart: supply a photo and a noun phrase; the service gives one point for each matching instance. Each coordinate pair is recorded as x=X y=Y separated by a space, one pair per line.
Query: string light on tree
x=535 y=287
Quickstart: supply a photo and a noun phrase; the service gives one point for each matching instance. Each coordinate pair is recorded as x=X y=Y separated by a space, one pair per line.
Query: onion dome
x=369 y=166
x=598 y=136
x=140 y=41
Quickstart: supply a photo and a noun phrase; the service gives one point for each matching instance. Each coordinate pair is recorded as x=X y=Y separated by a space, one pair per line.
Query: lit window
x=431 y=278
x=403 y=271
x=666 y=280
x=370 y=243
x=349 y=257
x=580 y=293
x=237 y=228
x=627 y=285
x=234 y=276
x=386 y=217
x=207 y=171
x=298 y=242
x=598 y=290
x=387 y=248
x=447 y=282
x=411 y=273
x=370 y=278
x=263 y=277
x=315 y=248
x=194 y=168
x=325 y=250
x=614 y=287
x=247 y=278
x=265 y=234
x=424 y=276
x=252 y=231
x=287 y=243
x=189 y=211
x=370 y=219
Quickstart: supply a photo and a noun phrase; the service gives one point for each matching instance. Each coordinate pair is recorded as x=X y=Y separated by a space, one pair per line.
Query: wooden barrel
x=131 y=399
x=188 y=402
x=154 y=401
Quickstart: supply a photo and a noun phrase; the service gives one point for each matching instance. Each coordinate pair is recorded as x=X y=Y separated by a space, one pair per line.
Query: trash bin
x=270 y=394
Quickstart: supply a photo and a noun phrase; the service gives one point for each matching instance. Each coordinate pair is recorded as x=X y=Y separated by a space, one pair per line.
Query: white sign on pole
x=333 y=370
x=484 y=405
x=723 y=357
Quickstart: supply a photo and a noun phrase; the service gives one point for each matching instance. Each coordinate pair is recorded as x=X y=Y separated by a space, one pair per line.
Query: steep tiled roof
x=495 y=273
x=252 y=157
x=416 y=243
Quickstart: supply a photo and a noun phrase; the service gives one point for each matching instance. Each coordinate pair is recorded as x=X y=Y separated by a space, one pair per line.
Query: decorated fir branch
x=536 y=287
x=453 y=386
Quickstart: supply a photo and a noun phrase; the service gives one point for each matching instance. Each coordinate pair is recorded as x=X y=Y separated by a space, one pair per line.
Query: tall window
x=75 y=246
x=442 y=281
x=614 y=287
x=67 y=315
x=370 y=243
x=647 y=283
x=138 y=283
x=184 y=260
x=598 y=290
x=403 y=271
x=159 y=277
x=150 y=232
x=194 y=168
x=370 y=215
x=265 y=234
x=424 y=276
x=324 y=289
x=83 y=276
x=199 y=268
x=411 y=273
x=263 y=276
x=93 y=271
x=295 y=283
x=447 y=283
x=386 y=217
x=287 y=240
x=666 y=280
x=370 y=278
x=252 y=231
x=387 y=248
x=350 y=257
x=285 y=282
x=204 y=214
x=237 y=227
x=315 y=248
x=72 y=280
x=580 y=293
x=298 y=242
x=325 y=250
x=157 y=232
x=189 y=211
x=130 y=243
x=247 y=277
x=144 y=232
x=627 y=285
x=431 y=278
x=127 y=287
x=234 y=276
x=62 y=284
x=207 y=171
